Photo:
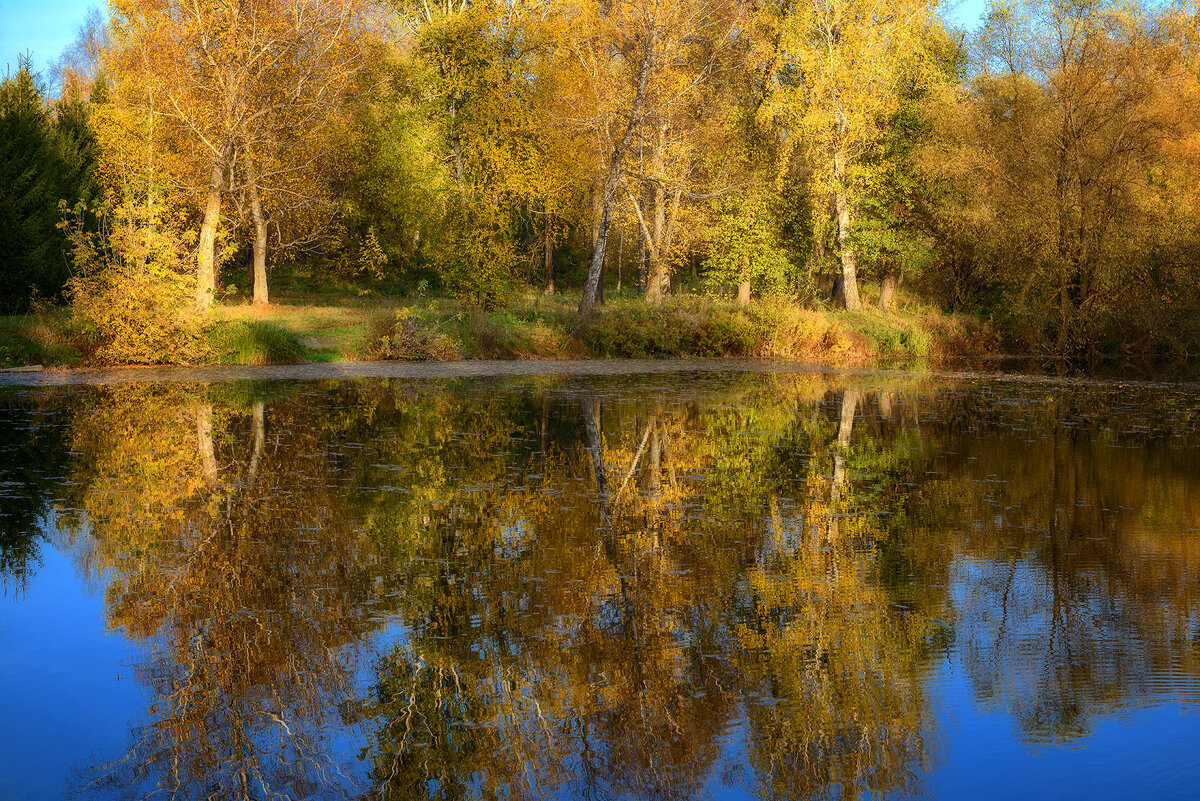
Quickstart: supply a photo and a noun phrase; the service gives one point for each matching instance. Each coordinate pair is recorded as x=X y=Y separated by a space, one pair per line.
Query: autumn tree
x=744 y=246
x=81 y=65
x=675 y=167
x=457 y=87
x=841 y=67
x=232 y=79
x=1076 y=102
x=289 y=149
x=644 y=62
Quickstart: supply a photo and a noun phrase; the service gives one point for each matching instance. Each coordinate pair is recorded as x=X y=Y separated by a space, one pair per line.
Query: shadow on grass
x=26 y=339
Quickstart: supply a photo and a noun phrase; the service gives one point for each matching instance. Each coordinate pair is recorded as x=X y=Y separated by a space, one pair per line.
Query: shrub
x=745 y=245
x=476 y=265
x=407 y=337
x=725 y=333
x=131 y=296
x=677 y=327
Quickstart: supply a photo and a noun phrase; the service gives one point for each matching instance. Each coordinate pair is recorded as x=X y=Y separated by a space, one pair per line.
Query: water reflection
x=648 y=588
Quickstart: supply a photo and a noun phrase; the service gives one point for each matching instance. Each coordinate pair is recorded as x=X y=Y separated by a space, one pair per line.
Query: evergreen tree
x=45 y=158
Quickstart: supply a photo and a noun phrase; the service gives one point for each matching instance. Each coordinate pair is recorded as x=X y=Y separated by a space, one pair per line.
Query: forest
x=624 y=177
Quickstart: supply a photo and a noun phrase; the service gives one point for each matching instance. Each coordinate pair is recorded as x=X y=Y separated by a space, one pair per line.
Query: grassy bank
x=32 y=339
x=331 y=328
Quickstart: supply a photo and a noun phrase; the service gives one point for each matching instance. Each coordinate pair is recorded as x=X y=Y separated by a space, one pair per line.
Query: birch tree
x=841 y=67
x=643 y=62
x=221 y=73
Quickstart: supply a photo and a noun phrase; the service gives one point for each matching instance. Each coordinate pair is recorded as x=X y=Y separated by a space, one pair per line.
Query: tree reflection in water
x=393 y=590
x=235 y=562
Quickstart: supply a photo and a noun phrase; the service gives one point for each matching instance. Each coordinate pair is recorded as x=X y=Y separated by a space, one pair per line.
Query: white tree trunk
x=206 y=268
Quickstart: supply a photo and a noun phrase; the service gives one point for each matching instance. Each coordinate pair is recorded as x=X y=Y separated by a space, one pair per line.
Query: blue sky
x=46 y=27
x=43 y=27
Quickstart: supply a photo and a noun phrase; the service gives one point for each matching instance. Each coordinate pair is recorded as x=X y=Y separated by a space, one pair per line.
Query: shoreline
x=490 y=368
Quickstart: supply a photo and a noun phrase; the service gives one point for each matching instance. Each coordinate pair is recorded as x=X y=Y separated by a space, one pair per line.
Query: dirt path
x=483 y=369
x=396 y=369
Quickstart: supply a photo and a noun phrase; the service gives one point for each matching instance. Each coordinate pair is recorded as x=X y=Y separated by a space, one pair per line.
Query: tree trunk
x=548 y=273
x=620 y=259
x=596 y=211
x=845 y=426
x=887 y=291
x=206 y=270
x=642 y=271
x=656 y=242
x=743 y=294
x=1065 y=320
x=204 y=438
x=660 y=281
x=600 y=283
x=591 y=285
x=658 y=284
x=612 y=180
x=849 y=257
x=260 y=238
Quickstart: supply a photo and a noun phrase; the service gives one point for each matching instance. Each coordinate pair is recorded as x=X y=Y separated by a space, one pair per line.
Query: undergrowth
x=30 y=339
x=770 y=330
x=407 y=336
x=536 y=327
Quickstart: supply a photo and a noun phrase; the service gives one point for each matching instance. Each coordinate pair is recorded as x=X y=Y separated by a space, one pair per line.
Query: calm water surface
x=668 y=586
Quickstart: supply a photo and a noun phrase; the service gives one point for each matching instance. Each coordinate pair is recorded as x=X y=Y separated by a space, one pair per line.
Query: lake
x=731 y=584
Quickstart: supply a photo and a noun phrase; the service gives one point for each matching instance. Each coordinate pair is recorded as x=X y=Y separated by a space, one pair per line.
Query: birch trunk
x=849 y=257
x=260 y=241
x=616 y=168
x=206 y=270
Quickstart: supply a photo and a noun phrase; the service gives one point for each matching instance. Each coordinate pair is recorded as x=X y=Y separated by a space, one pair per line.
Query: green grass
x=335 y=328
x=28 y=340
x=254 y=342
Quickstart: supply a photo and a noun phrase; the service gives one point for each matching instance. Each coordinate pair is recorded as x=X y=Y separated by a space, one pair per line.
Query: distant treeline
x=1043 y=172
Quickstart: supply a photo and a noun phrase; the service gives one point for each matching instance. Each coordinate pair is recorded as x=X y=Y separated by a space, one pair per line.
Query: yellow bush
x=131 y=295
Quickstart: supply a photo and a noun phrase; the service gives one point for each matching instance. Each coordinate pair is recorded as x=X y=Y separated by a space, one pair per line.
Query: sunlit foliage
x=1039 y=173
